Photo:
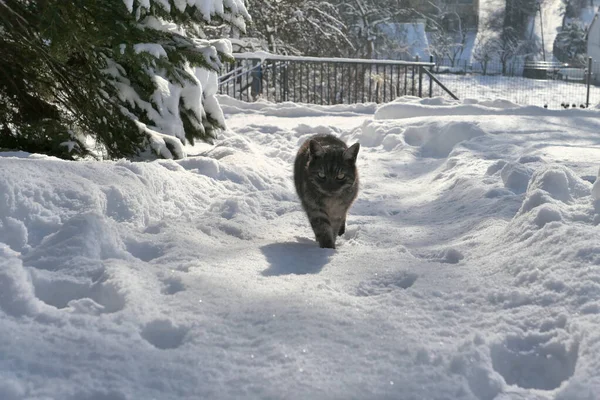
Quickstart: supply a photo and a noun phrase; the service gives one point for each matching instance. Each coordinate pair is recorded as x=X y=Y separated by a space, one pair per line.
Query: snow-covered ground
x=470 y=268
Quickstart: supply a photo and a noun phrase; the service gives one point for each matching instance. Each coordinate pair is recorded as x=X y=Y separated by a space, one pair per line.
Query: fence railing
x=326 y=80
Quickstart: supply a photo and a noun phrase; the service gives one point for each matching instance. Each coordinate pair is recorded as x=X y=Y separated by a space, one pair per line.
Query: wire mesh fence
x=544 y=84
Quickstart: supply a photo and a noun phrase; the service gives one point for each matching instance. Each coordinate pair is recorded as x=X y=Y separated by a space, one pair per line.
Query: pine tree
x=133 y=75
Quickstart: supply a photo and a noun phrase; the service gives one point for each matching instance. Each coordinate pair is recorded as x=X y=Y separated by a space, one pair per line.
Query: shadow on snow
x=299 y=258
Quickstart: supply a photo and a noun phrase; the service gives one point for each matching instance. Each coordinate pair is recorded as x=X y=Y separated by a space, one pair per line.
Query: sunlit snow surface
x=470 y=268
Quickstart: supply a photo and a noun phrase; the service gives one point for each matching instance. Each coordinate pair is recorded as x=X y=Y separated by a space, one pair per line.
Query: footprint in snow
x=536 y=360
x=145 y=251
x=386 y=283
x=172 y=285
x=100 y=297
x=163 y=334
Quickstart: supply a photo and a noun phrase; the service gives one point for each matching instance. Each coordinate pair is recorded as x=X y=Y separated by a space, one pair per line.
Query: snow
x=154 y=49
x=263 y=55
x=233 y=11
x=470 y=268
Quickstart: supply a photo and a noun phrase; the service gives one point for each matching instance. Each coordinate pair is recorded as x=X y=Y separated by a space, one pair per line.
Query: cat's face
x=332 y=170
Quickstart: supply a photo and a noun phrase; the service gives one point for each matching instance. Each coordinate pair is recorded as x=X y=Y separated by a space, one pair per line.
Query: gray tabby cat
x=326 y=181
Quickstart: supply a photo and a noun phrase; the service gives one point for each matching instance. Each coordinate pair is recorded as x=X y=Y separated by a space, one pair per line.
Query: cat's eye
x=321 y=175
x=340 y=176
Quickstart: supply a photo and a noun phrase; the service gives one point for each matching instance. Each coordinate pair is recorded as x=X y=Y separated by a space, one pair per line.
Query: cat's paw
x=327 y=243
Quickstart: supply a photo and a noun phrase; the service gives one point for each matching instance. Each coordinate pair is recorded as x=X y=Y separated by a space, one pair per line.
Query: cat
x=326 y=181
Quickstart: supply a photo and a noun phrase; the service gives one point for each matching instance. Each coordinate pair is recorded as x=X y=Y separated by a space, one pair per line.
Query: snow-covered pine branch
x=137 y=76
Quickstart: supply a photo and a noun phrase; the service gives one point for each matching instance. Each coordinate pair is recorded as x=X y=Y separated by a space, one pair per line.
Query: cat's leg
x=342 y=229
x=323 y=231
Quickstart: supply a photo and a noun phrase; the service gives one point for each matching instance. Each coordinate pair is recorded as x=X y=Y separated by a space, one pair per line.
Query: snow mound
x=374 y=133
x=555 y=198
x=596 y=188
x=515 y=176
x=414 y=107
x=411 y=107
x=17 y=296
x=431 y=139
x=233 y=106
x=560 y=183
x=550 y=191
x=438 y=140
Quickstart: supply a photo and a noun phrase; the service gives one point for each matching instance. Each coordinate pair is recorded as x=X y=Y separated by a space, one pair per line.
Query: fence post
x=234 y=81
x=588 y=82
x=274 y=82
x=430 y=83
x=286 y=83
x=421 y=81
x=420 y=78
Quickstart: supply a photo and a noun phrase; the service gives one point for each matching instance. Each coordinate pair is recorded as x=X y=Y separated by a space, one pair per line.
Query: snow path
x=470 y=268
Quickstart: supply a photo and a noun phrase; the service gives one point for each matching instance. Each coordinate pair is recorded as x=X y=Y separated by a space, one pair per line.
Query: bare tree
x=507 y=41
x=448 y=35
x=303 y=27
x=485 y=49
x=367 y=20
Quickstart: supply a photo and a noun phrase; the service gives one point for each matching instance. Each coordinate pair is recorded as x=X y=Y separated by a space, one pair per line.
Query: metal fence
x=337 y=81
x=327 y=80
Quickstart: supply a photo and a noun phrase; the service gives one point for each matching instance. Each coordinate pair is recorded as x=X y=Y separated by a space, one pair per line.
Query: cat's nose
x=331 y=186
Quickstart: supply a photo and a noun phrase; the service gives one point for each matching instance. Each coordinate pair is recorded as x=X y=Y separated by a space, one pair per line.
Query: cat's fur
x=326 y=181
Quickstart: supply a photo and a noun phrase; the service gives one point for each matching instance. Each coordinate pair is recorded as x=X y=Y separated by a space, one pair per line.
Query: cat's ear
x=316 y=150
x=351 y=152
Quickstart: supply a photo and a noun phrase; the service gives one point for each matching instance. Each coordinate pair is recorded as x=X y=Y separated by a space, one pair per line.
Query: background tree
x=518 y=13
x=508 y=46
x=131 y=75
x=299 y=27
x=507 y=40
x=367 y=22
x=570 y=45
x=448 y=33
x=573 y=8
x=486 y=48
